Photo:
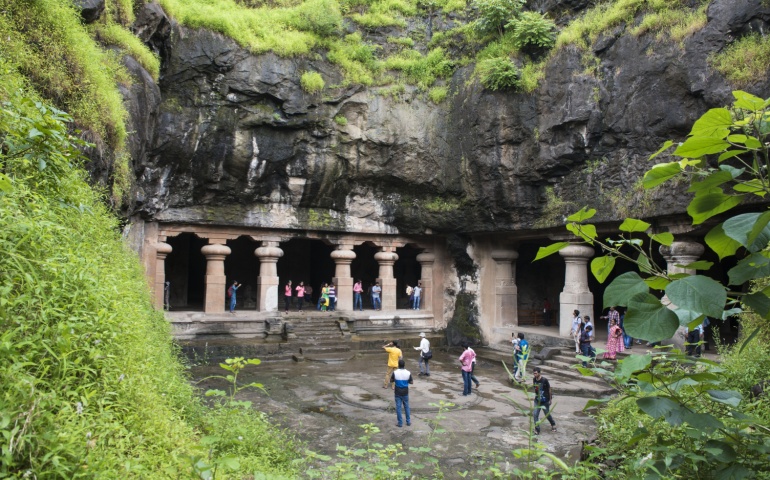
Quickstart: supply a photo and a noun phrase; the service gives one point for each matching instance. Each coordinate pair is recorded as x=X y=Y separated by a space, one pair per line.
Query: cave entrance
x=243 y=266
x=186 y=272
x=536 y=282
x=365 y=268
x=305 y=260
x=407 y=271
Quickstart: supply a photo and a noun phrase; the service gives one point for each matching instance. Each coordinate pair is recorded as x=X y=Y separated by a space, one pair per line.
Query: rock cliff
x=228 y=137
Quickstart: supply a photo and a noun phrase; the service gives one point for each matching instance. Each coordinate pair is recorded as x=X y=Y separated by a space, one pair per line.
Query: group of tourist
x=400 y=378
x=327 y=300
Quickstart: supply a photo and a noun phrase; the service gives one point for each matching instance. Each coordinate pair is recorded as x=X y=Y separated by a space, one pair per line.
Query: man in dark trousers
x=402 y=378
x=543 y=399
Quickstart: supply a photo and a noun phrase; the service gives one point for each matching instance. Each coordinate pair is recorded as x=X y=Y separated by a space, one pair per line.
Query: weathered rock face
x=237 y=141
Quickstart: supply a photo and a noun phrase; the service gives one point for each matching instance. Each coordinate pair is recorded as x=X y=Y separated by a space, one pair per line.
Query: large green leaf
x=601 y=267
x=633 y=225
x=741 y=227
x=714 y=179
x=631 y=365
x=662 y=149
x=664 y=238
x=705 y=206
x=759 y=302
x=714 y=123
x=699 y=294
x=586 y=231
x=686 y=317
x=754 y=266
x=720 y=243
x=657 y=283
x=699 y=265
x=759 y=230
x=543 y=252
x=660 y=173
x=582 y=215
x=748 y=101
x=649 y=319
x=702 y=421
x=622 y=288
x=728 y=397
x=658 y=407
x=696 y=147
x=754 y=186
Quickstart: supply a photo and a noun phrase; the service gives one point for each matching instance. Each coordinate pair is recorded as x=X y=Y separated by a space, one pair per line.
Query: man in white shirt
x=424 y=349
x=576 y=329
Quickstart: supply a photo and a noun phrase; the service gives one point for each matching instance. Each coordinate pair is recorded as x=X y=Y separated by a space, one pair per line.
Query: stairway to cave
x=319 y=338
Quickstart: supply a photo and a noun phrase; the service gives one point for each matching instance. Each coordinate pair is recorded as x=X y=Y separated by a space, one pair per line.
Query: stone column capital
x=386 y=258
x=162 y=248
x=577 y=252
x=343 y=255
x=426 y=257
x=268 y=253
x=215 y=250
x=686 y=249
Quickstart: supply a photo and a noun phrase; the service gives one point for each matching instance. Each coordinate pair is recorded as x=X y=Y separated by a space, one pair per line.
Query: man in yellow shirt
x=394 y=354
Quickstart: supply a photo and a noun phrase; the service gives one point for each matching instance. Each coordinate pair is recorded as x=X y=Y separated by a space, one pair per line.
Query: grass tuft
x=745 y=61
x=312 y=82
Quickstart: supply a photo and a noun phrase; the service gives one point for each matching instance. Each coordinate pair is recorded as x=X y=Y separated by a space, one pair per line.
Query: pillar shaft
x=343 y=257
x=215 y=277
x=506 y=293
x=267 y=282
x=426 y=260
x=386 y=258
x=161 y=251
x=576 y=294
x=679 y=253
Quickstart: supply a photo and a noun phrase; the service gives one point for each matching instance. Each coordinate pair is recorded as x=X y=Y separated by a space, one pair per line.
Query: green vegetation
x=438 y=94
x=312 y=82
x=532 y=29
x=680 y=416
x=117 y=35
x=498 y=73
x=341 y=120
x=421 y=70
x=744 y=61
x=92 y=385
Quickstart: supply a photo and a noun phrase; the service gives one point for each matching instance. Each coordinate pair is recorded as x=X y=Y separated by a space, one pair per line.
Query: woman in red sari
x=614 y=341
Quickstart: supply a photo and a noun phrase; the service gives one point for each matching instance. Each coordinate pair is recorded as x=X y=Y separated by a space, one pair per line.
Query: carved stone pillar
x=426 y=260
x=215 y=277
x=576 y=294
x=343 y=257
x=680 y=253
x=386 y=258
x=267 y=282
x=506 y=293
x=161 y=252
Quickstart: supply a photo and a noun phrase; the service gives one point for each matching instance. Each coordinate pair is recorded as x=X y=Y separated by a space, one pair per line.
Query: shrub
x=498 y=73
x=356 y=59
x=340 y=120
x=495 y=14
x=322 y=17
x=533 y=29
x=403 y=41
x=745 y=61
x=438 y=94
x=421 y=70
x=312 y=82
x=531 y=75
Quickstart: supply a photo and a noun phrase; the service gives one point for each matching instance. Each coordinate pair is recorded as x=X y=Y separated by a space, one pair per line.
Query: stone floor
x=326 y=403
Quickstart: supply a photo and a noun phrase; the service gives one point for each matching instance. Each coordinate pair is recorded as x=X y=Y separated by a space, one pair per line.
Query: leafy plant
x=725 y=160
x=744 y=61
x=340 y=120
x=493 y=15
x=438 y=94
x=532 y=29
x=312 y=82
x=498 y=73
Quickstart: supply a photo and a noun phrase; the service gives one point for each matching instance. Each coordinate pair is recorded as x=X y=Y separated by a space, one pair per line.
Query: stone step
x=323 y=349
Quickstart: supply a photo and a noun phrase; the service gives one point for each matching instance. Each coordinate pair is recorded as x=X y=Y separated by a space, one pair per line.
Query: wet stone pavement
x=326 y=404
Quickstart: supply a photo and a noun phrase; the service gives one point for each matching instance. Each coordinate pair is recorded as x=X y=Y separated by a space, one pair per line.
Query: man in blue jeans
x=543 y=399
x=402 y=378
x=376 y=291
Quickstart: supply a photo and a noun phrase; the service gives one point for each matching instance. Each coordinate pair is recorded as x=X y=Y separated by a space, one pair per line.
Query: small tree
x=495 y=14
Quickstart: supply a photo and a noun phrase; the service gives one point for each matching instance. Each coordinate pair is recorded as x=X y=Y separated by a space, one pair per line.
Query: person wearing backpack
x=231 y=295
x=543 y=398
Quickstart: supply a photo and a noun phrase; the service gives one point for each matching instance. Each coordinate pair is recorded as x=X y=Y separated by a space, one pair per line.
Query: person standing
x=613 y=314
x=416 y=294
x=300 y=295
x=694 y=339
x=358 y=302
x=323 y=298
x=576 y=331
x=410 y=294
x=473 y=369
x=614 y=341
x=394 y=355
x=546 y=312
x=308 y=294
x=376 y=291
x=585 y=344
x=166 y=295
x=587 y=323
x=402 y=378
x=520 y=357
x=332 y=297
x=425 y=355
x=543 y=398
x=466 y=362
x=287 y=296
x=231 y=293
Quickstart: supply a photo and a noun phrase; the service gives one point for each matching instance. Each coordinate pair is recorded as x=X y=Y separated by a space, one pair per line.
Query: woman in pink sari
x=614 y=341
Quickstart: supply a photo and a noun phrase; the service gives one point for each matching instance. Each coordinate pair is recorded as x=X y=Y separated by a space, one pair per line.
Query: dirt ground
x=326 y=404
